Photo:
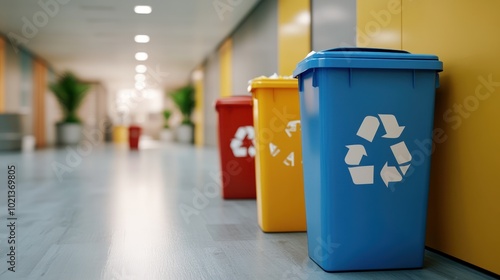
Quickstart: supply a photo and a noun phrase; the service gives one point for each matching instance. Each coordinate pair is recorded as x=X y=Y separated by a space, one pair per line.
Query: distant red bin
x=134 y=133
x=236 y=146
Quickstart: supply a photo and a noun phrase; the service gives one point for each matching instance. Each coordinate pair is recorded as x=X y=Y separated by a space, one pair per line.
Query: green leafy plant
x=166 y=116
x=184 y=100
x=69 y=92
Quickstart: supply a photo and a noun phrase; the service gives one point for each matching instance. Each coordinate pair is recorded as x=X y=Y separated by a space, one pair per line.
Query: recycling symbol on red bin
x=237 y=143
x=364 y=174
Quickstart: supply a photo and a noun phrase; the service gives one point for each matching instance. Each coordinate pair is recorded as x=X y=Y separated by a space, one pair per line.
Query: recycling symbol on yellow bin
x=237 y=143
x=291 y=128
x=364 y=174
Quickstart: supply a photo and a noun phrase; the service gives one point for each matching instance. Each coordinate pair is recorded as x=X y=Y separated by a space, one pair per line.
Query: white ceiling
x=95 y=38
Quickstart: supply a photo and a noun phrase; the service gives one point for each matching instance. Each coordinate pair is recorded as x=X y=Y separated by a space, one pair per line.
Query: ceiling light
x=141 y=56
x=140 y=77
x=141 y=69
x=197 y=75
x=144 y=10
x=140 y=85
x=141 y=38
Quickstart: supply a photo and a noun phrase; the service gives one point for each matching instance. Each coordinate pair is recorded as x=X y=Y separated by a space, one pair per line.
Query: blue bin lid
x=368 y=58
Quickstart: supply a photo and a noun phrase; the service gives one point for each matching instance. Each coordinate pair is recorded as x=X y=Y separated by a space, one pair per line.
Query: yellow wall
x=379 y=24
x=226 y=55
x=2 y=74
x=464 y=199
x=198 y=80
x=294 y=33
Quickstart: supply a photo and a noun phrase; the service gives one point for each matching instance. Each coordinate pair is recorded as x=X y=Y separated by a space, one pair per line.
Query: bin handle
x=354 y=49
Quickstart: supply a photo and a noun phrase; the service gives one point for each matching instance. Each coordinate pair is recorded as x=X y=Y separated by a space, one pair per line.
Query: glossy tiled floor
x=114 y=214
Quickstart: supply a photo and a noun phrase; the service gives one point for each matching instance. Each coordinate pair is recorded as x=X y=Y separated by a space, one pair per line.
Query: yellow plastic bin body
x=120 y=134
x=278 y=160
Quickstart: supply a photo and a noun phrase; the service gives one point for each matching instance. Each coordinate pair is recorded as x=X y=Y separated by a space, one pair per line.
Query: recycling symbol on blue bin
x=364 y=174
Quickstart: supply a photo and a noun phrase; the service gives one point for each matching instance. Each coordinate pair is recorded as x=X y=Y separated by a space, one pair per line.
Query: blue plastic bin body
x=367 y=125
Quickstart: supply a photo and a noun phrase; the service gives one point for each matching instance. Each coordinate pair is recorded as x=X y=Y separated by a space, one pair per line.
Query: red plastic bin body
x=236 y=146
x=134 y=134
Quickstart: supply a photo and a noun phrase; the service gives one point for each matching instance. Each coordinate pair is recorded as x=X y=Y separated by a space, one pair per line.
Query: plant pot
x=167 y=135
x=184 y=133
x=69 y=133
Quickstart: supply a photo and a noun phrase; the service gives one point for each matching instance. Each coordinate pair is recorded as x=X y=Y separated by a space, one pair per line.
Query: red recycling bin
x=236 y=146
x=134 y=133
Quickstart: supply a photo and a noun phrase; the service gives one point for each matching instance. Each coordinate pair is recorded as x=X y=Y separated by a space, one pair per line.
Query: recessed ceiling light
x=140 y=85
x=141 y=38
x=140 y=77
x=141 y=69
x=142 y=9
x=141 y=56
x=197 y=75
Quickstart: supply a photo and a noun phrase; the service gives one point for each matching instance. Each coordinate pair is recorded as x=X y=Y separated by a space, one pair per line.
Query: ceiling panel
x=95 y=39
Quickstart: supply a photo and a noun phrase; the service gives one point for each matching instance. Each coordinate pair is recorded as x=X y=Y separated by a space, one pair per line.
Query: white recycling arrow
x=404 y=168
x=362 y=175
x=391 y=126
x=355 y=154
x=291 y=127
x=290 y=159
x=251 y=151
x=238 y=149
x=401 y=152
x=390 y=174
x=368 y=128
x=241 y=132
x=250 y=132
x=274 y=149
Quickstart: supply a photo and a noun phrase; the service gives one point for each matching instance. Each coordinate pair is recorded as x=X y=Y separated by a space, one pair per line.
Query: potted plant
x=69 y=92
x=183 y=98
x=167 y=134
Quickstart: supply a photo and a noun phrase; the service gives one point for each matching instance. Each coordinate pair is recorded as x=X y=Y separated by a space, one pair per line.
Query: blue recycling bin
x=367 y=121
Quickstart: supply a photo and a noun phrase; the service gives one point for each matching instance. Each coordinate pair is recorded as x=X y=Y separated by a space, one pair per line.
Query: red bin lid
x=240 y=100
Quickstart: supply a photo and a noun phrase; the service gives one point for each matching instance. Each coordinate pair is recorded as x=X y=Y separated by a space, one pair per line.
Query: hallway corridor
x=110 y=213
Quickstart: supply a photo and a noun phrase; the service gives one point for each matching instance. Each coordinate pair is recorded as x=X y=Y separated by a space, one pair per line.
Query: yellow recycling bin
x=278 y=159
x=120 y=134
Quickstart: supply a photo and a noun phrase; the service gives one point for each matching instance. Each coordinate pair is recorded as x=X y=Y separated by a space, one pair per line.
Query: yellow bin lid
x=272 y=82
